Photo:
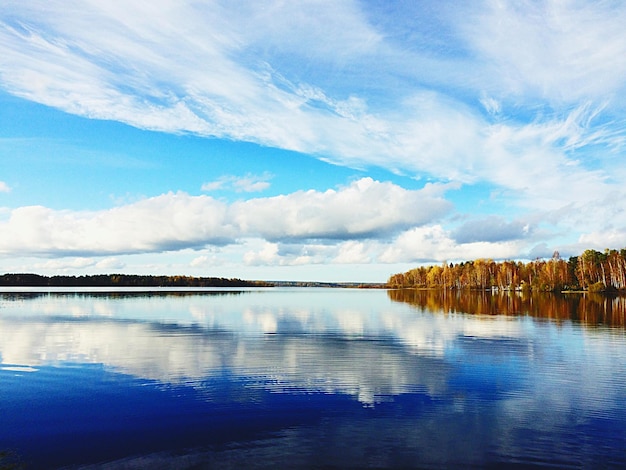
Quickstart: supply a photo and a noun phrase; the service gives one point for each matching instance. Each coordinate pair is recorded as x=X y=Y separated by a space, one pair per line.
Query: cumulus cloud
x=352 y=252
x=613 y=238
x=267 y=254
x=168 y=222
x=263 y=253
x=365 y=208
x=363 y=222
x=174 y=221
x=435 y=244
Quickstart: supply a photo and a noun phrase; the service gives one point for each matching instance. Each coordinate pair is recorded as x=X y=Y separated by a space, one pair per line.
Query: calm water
x=311 y=378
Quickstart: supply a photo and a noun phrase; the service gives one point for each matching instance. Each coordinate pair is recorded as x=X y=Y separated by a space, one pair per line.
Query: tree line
x=122 y=280
x=592 y=271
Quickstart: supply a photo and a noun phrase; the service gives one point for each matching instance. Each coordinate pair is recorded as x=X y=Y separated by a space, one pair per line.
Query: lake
x=310 y=378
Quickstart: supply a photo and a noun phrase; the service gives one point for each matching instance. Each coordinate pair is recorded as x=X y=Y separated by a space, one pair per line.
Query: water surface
x=311 y=378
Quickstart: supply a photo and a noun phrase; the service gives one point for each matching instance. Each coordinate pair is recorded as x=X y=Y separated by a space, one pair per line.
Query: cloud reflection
x=363 y=368
x=335 y=344
x=353 y=343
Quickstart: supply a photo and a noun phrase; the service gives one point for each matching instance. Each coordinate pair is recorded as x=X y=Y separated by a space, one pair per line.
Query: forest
x=122 y=280
x=592 y=271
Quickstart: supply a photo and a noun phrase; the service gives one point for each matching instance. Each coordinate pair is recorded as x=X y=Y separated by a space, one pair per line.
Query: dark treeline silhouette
x=122 y=280
x=590 y=309
x=593 y=271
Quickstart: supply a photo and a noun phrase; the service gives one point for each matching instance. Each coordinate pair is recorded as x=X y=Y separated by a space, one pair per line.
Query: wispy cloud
x=73 y=264
x=4 y=188
x=553 y=50
x=208 y=69
x=248 y=183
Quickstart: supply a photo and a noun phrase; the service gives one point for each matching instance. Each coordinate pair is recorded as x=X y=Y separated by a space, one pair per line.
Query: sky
x=311 y=140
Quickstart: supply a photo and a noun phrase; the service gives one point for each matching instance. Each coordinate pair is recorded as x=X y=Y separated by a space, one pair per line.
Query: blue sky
x=312 y=140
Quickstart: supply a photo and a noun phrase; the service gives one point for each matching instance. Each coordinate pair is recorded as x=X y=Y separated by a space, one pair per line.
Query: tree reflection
x=116 y=294
x=589 y=309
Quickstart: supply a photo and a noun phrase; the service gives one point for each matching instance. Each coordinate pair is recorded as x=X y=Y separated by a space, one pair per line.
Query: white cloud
x=491 y=105
x=80 y=263
x=110 y=263
x=140 y=64
x=435 y=244
x=205 y=261
x=213 y=185
x=365 y=208
x=174 y=221
x=248 y=183
x=64 y=264
x=167 y=222
x=364 y=222
x=615 y=238
x=352 y=252
x=267 y=254
x=4 y=188
x=553 y=49
x=234 y=72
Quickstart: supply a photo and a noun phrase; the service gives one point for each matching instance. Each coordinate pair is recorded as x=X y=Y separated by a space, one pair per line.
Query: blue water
x=301 y=378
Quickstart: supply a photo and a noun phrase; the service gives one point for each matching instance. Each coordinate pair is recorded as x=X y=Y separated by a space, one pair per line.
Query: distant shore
x=132 y=280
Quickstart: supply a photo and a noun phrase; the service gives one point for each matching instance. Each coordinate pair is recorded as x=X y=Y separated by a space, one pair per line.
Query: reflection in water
x=589 y=309
x=303 y=378
x=107 y=293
